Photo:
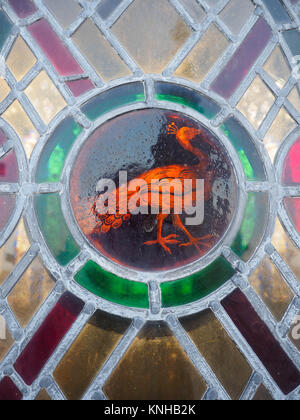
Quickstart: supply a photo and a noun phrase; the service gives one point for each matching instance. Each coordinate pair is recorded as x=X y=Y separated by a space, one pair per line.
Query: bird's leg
x=204 y=241
x=164 y=242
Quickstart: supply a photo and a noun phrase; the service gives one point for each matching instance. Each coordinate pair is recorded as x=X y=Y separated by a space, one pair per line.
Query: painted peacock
x=154 y=196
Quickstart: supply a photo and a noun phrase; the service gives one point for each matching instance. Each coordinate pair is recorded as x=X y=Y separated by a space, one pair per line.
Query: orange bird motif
x=154 y=196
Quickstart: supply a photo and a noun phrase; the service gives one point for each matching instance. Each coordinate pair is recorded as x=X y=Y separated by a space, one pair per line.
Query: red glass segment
x=263 y=343
x=243 y=59
x=3 y=138
x=55 y=50
x=7 y=204
x=292 y=206
x=23 y=8
x=79 y=87
x=38 y=351
x=9 y=391
x=9 y=168
x=291 y=167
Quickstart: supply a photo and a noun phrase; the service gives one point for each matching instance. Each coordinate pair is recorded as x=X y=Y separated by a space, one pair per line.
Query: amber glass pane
x=294 y=98
x=202 y=57
x=256 y=102
x=262 y=394
x=286 y=249
x=106 y=62
x=271 y=288
x=236 y=13
x=20 y=59
x=157 y=33
x=88 y=353
x=12 y=252
x=30 y=292
x=278 y=68
x=219 y=350
x=43 y=396
x=194 y=9
x=44 y=96
x=6 y=342
x=279 y=130
x=4 y=89
x=19 y=120
x=65 y=11
x=155 y=368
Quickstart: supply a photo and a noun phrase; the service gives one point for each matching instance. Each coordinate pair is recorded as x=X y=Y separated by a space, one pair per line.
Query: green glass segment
x=111 y=287
x=54 y=228
x=253 y=226
x=186 y=97
x=245 y=147
x=5 y=28
x=114 y=98
x=196 y=286
x=56 y=150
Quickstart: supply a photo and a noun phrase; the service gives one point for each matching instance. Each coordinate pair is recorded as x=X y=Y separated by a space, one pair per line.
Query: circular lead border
x=66 y=275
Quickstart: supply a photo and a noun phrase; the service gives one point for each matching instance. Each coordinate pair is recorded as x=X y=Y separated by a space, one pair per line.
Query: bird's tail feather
x=106 y=222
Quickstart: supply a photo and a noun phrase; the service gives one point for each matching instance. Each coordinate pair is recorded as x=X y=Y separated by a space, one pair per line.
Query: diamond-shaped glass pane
x=106 y=62
x=45 y=97
x=256 y=102
x=277 y=67
x=20 y=59
x=281 y=127
x=159 y=33
x=236 y=13
x=201 y=59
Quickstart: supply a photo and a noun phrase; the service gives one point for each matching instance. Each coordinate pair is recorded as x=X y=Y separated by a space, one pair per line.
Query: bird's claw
x=204 y=241
x=163 y=242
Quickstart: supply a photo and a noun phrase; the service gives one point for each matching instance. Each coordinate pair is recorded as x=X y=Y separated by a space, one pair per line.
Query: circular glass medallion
x=153 y=190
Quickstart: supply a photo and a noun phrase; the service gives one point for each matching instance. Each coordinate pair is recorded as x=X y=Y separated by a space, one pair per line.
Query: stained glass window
x=150 y=200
